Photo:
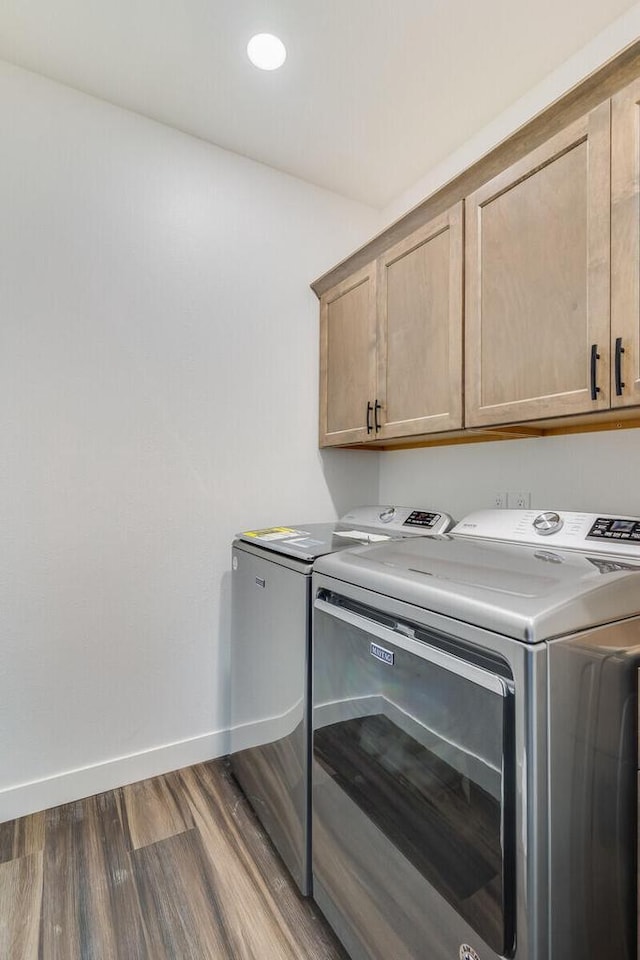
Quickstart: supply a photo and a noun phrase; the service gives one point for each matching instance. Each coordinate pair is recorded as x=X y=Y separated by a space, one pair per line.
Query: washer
x=475 y=756
x=270 y=661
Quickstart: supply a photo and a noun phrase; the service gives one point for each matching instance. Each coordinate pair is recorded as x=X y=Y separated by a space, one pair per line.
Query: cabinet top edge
x=600 y=85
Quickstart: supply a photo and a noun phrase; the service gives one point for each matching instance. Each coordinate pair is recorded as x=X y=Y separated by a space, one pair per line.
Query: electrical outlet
x=520 y=500
x=500 y=500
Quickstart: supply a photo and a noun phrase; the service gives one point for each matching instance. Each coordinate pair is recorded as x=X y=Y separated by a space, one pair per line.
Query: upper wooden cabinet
x=420 y=330
x=391 y=341
x=625 y=247
x=348 y=359
x=549 y=265
x=537 y=281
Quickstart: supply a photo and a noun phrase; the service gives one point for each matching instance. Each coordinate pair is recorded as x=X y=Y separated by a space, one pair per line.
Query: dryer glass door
x=413 y=735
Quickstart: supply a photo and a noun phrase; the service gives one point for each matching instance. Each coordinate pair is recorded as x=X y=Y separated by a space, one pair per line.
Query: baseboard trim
x=256 y=733
x=25 y=798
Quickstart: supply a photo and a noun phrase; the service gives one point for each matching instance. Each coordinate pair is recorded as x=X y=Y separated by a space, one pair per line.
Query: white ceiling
x=373 y=94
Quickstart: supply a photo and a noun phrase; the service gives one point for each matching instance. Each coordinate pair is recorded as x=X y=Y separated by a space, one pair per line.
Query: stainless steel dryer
x=475 y=741
x=270 y=661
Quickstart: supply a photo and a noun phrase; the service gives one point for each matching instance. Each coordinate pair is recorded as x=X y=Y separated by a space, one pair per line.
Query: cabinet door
x=537 y=281
x=348 y=359
x=420 y=330
x=625 y=247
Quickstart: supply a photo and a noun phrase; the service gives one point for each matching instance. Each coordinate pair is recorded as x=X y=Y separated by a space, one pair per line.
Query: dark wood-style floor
x=174 y=868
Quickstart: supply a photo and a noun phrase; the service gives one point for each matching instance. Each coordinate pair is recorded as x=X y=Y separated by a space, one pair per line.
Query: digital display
x=608 y=528
x=419 y=518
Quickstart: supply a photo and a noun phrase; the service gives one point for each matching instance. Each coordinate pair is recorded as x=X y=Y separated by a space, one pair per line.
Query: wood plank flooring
x=173 y=868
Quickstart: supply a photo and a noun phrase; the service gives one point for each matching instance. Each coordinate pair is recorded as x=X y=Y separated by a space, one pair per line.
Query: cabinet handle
x=595 y=356
x=378 y=406
x=619 y=380
x=369 y=412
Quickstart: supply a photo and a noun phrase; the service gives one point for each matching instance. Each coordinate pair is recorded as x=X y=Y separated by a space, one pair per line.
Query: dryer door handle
x=400 y=638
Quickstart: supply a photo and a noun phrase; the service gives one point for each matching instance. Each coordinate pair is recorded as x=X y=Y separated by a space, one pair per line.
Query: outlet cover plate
x=519 y=499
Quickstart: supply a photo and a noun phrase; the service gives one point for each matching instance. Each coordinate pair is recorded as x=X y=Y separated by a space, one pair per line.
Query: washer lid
x=303 y=541
x=309 y=541
x=528 y=593
x=367 y=524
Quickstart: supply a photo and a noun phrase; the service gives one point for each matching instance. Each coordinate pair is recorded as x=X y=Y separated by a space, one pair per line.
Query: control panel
x=396 y=521
x=565 y=530
x=615 y=528
x=420 y=518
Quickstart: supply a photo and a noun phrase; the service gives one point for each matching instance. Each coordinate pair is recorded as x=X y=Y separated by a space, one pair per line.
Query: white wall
x=587 y=471
x=158 y=378
x=606 y=45
x=158 y=381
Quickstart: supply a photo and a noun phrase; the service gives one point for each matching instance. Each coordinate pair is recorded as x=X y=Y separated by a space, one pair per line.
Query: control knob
x=387 y=514
x=546 y=523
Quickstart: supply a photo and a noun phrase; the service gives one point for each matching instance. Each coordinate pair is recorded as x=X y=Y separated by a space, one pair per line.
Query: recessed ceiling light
x=266 y=51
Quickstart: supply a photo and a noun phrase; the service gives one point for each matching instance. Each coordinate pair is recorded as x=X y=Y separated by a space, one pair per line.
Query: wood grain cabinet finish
x=348 y=359
x=550 y=272
x=420 y=294
x=538 y=281
x=625 y=247
x=391 y=341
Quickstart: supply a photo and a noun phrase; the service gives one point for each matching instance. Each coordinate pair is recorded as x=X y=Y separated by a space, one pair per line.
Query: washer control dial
x=547 y=523
x=387 y=515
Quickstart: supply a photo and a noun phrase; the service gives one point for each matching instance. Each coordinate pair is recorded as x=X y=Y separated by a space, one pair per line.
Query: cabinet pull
x=595 y=356
x=619 y=380
x=378 y=406
x=369 y=412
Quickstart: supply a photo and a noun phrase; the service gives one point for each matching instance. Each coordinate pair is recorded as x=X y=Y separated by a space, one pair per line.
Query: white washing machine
x=270 y=661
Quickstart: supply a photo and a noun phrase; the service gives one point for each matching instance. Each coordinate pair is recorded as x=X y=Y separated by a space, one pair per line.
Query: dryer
x=475 y=740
